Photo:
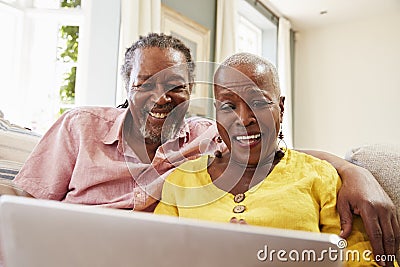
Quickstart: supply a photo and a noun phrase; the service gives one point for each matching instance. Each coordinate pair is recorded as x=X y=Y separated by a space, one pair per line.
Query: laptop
x=48 y=233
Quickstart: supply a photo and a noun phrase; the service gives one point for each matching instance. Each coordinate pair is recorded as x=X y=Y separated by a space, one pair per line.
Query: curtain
x=285 y=77
x=225 y=43
x=138 y=17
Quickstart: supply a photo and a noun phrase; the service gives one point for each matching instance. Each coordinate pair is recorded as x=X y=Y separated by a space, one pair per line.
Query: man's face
x=248 y=112
x=159 y=93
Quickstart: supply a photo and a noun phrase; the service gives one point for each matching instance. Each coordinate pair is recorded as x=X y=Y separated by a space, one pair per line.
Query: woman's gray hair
x=244 y=58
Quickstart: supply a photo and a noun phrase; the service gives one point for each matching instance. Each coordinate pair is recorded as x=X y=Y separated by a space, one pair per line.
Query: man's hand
x=236 y=221
x=362 y=195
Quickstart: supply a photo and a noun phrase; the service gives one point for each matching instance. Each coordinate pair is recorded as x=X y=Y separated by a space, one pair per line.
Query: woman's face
x=159 y=92
x=248 y=112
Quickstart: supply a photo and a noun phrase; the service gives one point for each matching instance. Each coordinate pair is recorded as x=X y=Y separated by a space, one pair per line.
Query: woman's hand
x=361 y=194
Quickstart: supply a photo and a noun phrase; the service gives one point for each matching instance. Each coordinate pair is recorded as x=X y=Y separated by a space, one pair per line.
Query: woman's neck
x=235 y=177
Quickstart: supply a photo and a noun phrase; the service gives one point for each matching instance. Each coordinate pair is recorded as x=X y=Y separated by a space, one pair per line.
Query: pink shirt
x=83 y=159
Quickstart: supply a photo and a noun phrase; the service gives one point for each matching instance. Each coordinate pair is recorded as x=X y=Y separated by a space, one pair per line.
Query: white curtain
x=225 y=44
x=285 y=76
x=138 y=17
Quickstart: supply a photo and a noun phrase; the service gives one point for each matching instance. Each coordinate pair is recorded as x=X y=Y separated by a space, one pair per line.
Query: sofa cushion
x=383 y=161
x=16 y=143
x=9 y=169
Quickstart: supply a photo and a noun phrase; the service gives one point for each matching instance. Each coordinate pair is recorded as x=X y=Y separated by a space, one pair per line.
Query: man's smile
x=159 y=115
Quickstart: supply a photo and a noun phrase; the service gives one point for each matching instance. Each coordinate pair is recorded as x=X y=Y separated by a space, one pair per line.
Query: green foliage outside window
x=71 y=3
x=70 y=34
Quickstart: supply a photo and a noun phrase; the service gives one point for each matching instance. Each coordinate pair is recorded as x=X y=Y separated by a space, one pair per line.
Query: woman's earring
x=280 y=135
x=218 y=153
x=282 y=150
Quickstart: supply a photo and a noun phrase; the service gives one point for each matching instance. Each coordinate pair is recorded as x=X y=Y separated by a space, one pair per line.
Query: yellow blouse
x=299 y=194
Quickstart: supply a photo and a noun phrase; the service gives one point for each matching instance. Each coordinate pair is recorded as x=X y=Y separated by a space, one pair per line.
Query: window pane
x=9 y=1
x=67 y=56
x=56 y=4
x=11 y=89
x=52 y=4
x=249 y=37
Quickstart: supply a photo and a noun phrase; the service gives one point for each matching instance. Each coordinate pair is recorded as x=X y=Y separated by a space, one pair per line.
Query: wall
x=202 y=12
x=98 y=69
x=347 y=84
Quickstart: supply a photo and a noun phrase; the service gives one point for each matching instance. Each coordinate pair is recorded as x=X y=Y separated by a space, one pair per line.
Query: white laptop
x=46 y=233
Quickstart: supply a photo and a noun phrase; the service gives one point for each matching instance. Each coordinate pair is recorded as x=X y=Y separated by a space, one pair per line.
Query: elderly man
x=119 y=157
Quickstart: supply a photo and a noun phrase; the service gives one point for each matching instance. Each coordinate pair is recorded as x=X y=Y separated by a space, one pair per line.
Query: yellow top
x=299 y=194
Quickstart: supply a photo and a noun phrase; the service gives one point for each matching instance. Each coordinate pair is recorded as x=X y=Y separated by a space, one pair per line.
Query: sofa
x=383 y=161
x=16 y=143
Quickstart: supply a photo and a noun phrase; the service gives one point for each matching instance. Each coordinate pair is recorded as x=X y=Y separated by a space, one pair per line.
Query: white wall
x=98 y=68
x=347 y=84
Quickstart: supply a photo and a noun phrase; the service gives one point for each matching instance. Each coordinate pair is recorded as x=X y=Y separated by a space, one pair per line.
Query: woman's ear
x=282 y=108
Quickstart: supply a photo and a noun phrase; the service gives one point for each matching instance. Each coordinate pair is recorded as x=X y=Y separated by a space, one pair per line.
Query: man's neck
x=143 y=149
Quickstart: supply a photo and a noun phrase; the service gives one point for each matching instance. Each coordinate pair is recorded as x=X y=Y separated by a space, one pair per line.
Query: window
x=249 y=37
x=41 y=52
x=257 y=34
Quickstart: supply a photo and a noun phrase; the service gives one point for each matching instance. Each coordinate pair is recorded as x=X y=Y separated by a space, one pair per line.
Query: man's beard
x=161 y=133
x=158 y=134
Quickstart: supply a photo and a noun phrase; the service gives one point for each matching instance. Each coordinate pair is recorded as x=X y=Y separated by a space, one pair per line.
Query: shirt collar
x=115 y=132
x=184 y=131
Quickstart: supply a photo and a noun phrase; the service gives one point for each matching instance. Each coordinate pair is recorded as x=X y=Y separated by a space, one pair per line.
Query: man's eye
x=176 y=88
x=227 y=107
x=146 y=87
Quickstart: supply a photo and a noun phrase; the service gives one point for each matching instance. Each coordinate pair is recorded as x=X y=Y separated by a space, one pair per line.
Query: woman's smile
x=247 y=141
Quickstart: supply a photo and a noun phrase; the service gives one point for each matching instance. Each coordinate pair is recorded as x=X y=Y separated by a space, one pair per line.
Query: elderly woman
x=254 y=181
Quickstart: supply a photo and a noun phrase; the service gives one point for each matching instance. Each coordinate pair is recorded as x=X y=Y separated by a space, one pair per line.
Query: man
x=119 y=158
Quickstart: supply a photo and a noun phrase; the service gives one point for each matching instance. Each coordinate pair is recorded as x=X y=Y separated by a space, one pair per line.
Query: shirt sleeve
x=168 y=204
x=328 y=187
x=358 y=245
x=166 y=209
x=47 y=172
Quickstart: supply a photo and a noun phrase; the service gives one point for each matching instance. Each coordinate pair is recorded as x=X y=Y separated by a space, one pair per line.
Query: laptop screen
x=48 y=233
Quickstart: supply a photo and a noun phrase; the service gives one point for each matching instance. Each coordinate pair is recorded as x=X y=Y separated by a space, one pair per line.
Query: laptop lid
x=48 y=233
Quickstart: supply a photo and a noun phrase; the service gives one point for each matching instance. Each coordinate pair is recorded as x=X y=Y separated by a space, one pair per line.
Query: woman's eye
x=262 y=103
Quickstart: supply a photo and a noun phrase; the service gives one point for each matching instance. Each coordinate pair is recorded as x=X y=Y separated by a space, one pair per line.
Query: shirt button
x=138 y=195
x=238 y=198
x=239 y=209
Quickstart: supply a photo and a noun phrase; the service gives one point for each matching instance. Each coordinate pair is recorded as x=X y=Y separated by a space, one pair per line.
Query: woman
x=255 y=182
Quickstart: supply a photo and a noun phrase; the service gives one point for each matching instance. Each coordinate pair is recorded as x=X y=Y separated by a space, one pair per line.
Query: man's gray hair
x=161 y=41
